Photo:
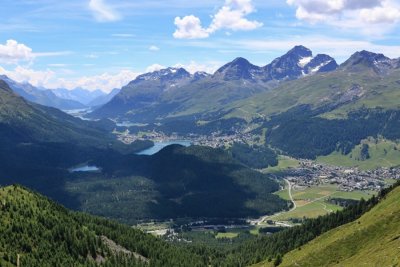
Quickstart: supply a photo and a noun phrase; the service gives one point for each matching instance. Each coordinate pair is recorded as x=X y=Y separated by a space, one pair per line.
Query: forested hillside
x=176 y=182
x=43 y=234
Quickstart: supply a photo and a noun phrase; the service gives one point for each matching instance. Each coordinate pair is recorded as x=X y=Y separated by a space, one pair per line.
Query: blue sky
x=106 y=43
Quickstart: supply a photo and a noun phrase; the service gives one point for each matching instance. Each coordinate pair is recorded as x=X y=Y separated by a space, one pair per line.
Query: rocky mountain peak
x=299 y=51
x=239 y=68
x=366 y=59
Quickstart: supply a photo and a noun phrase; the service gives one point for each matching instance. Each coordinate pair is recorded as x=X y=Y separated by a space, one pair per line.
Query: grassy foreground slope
x=43 y=233
x=372 y=240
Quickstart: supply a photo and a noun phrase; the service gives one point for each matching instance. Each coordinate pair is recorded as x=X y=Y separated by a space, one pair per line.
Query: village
x=310 y=173
x=214 y=140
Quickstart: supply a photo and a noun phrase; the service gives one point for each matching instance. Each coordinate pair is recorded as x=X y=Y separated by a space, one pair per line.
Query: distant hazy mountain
x=103 y=99
x=22 y=121
x=44 y=97
x=80 y=95
x=175 y=92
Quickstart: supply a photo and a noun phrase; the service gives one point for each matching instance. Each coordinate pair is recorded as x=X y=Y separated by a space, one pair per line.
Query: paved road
x=290 y=194
x=266 y=217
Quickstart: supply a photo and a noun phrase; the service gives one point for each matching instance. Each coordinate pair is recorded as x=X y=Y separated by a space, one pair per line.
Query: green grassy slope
x=372 y=240
x=383 y=153
x=46 y=234
x=334 y=88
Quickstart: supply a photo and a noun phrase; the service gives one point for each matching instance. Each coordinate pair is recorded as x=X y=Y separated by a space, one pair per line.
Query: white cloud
x=13 y=52
x=155 y=67
x=193 y=66
x=50 y=79
x=232 y=16
x=353 y=14
x=189 y=27
x=103 y=12
x=154 y=48
x=384 y=14
x=36 y=78
x=105 y=82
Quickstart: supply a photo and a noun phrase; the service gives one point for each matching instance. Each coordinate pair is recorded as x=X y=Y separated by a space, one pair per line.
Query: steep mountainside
x=43 y=97
x=21 y=121
x=172 y=93
x=43 y=233
x=38 y=142
x=372 y=240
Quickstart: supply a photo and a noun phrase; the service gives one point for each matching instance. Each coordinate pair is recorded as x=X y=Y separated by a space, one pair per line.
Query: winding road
x=290 y=194
x=266 y=217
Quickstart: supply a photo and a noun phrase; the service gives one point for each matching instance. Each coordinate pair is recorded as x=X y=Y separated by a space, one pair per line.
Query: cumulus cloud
x=13 y=52
x=232 y=16
x=103 y=12
x=347 y=13
x=189 y=27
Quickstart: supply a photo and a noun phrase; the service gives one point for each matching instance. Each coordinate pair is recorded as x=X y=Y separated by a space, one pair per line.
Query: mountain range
x=175 y=92
x=62 y=99
x=41 y=96
x=242 y=90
